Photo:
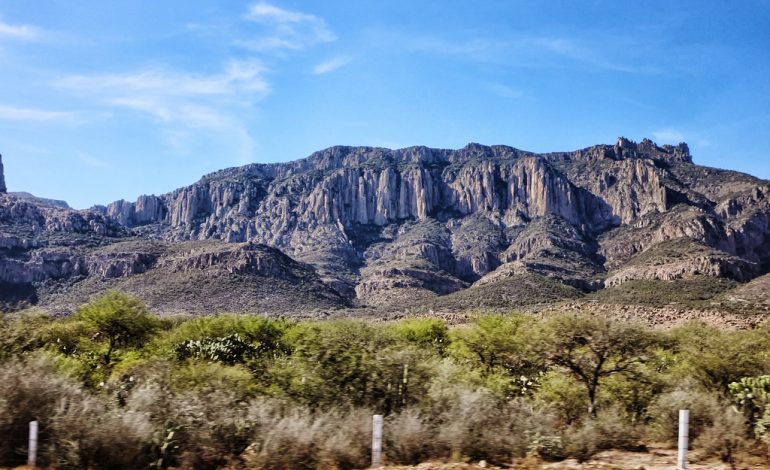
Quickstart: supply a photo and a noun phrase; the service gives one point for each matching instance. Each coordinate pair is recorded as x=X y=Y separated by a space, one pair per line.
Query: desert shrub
x=23 y=332
x=725 y=437
x=611 y=429
x=664 y=413
x=68 y=337
x=427 y=333
x=192 y=429
x=564 y=395
x=464 y=424
x=300 y=439
x=717 y=358
x=265 y=335
x=87 y=432
x=352 y=363
x=29 y=390
x=249 y=392
x=479 y=426
x=408 y=437
x=205 y=377
x=634 y=394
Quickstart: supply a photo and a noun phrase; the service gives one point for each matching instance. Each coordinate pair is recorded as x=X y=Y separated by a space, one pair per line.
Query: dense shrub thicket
x=115 y=387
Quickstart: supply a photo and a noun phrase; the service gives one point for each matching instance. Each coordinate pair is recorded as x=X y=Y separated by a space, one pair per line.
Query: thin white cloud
x=21 y=32
x=14 y=113
x=668 y=136
x=520 y=50
x=286 y=29
x=188 y=106
x=237 y=77
x=331 y=65
x=174 y=96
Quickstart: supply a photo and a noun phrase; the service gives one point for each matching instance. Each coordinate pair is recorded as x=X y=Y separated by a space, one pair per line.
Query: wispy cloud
x=21 y=32
x=188 y=105
x=286 y=29
x=331 y=65
x=237 y=77
x=14 y=113
x=523 y=50
x=170 y=95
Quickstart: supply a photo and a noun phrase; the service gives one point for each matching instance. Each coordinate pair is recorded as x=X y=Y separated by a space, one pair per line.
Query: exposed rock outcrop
x=3 y=188
x=377 y=226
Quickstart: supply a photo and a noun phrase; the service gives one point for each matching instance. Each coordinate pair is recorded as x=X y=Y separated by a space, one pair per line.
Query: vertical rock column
x=3 y=189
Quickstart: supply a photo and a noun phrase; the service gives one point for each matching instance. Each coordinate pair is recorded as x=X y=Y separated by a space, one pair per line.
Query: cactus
x=232 y=349
x=752 y=395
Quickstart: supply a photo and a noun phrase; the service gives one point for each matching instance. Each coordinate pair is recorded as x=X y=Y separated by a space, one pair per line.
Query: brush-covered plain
x=114 y=386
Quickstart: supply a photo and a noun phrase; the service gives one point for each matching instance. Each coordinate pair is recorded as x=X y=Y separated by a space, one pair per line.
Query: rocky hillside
x=362 y=226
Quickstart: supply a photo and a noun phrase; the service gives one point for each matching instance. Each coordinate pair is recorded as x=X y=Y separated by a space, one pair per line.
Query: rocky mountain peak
x=375 y=225
x=3 y=188
x=626 y=148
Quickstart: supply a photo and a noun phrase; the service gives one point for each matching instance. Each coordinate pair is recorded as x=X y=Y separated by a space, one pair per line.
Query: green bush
x=23 y=332
x=351 y=362
x=717 y=358
x=499 y=347
x=565 y=395
x=426 y=333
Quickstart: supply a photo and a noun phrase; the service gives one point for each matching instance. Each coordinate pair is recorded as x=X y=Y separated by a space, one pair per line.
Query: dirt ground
x=655 y=459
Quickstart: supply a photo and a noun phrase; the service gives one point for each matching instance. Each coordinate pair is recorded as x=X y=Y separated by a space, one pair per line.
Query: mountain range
x=365 y=229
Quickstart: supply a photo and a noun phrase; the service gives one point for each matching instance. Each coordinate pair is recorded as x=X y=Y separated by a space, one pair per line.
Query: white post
x=684 y=439
x=32 y=453
x=377 y=441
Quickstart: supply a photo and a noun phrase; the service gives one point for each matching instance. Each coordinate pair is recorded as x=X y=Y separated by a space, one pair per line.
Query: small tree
x=499 y=346
x=591 y=348
x=119 y=319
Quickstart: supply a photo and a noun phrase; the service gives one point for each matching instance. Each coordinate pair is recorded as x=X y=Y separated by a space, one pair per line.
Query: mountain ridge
x=381 y=226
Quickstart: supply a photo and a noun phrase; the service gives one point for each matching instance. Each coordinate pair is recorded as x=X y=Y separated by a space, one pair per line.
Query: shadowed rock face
x=3 y=188
x=378 y=224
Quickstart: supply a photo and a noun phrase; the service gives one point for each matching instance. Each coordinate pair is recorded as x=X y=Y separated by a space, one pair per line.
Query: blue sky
x=107 y=100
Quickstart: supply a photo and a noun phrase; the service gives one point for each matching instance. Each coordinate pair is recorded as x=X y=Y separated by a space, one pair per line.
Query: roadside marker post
x=377 y=441
x=684 y=439
x=32 y=450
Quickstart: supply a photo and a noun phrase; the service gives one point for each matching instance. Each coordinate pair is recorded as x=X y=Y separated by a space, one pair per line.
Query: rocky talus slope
x=362 y=227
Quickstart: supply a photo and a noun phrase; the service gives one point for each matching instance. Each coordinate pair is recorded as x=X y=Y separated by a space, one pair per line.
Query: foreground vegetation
x=115 y=387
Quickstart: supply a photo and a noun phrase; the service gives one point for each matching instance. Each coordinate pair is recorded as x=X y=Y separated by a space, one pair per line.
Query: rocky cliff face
x=3 y=188
x=377 y=225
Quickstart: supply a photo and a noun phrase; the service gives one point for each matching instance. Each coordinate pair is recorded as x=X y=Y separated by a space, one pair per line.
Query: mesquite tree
x=592 y=348
x=117 y=319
